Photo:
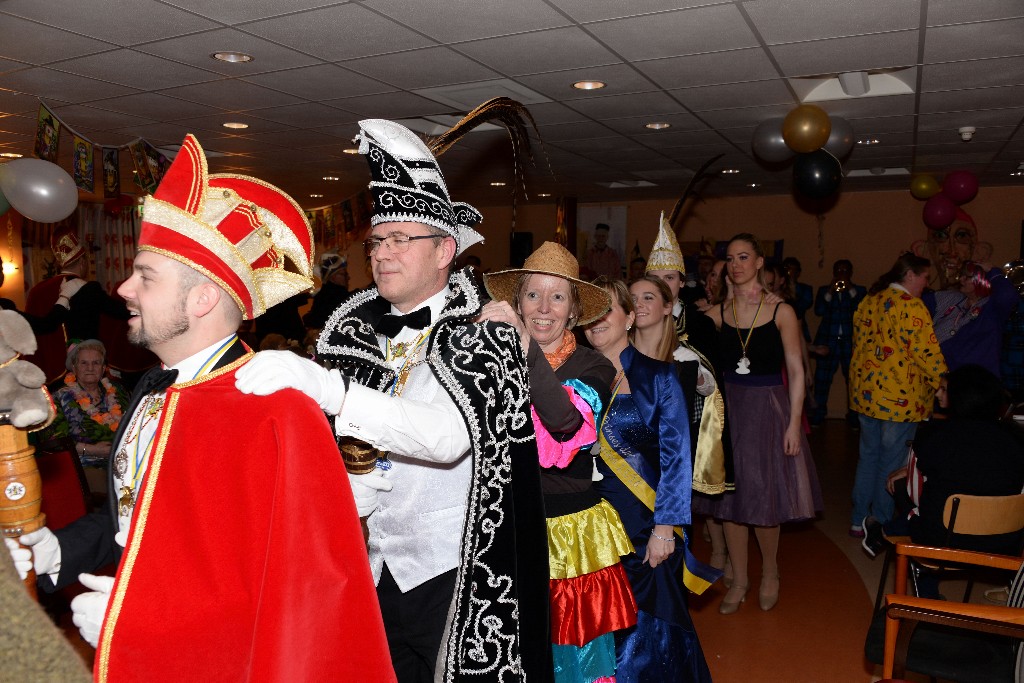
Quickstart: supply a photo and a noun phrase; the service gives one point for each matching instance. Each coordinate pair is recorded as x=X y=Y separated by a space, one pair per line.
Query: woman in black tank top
x=759 y=338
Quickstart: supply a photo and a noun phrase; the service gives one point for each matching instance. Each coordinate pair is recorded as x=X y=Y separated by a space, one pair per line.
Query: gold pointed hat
x=666 y=254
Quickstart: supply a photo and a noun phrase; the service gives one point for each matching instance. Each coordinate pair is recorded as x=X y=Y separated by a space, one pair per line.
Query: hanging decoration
x=817 y=140
x=47 y=134
x=39 y=190
x=940 y=207
x=111 y=173
x=83 y=164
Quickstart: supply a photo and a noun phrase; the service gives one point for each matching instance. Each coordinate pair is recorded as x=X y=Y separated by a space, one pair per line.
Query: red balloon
x=960 y=186
x=939 y=211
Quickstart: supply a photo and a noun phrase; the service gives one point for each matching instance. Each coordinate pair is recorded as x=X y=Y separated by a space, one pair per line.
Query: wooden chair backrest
x=984 y=515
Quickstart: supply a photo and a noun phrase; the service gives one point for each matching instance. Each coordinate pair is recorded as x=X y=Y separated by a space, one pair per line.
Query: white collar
x=436 y=304
x=189 y=368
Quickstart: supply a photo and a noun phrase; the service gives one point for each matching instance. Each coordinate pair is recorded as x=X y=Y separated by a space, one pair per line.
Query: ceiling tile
x=978 y=119
x=295 y=139
x=959 y=12
x=159 y=133
x=422 y=68
x=651 y=104
x=554 y=112
x=573 y=131
x=321 y=33
x=972 y=99
x=637 y=125
x=868 y=107
x=154 y=106
x=197 y=49
x=135 y=70
x=319 y=82
x=57 y=85
x=619 y=78
x=673 y=34
x=453 y=20
x=81 y=116
x=232 y=95
x=862 y=53
x=17 y=103
x=786 y=21
x=668 y=139
x=307 y=115
x=28 y=41
x=882 y=124
x=597 y=10
x=975 y=41
x=214 y=123
x=978 y=73
x=736 y=95
x=121 y=22
x=234 y=11
x=394 y=105
x=540 y=51
x=747 y=116
x=710 y=69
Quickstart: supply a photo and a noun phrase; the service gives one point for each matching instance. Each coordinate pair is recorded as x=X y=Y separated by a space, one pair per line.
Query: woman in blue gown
x=647 y=475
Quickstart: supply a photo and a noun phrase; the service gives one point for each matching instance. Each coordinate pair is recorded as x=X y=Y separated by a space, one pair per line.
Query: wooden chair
x=964 y=515
x=946 y=620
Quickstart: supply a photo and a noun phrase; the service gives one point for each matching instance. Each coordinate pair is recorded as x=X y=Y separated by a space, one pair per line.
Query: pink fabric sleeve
x=555 y=453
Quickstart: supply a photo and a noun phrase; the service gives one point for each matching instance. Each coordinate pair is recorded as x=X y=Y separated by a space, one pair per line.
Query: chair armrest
x=1012 y=616
x=905 y=550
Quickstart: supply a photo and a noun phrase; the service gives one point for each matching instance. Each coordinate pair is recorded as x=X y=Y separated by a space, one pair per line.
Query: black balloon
x=817 y=174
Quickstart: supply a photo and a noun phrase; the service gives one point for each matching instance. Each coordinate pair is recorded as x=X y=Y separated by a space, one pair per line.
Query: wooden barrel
x=20 y=485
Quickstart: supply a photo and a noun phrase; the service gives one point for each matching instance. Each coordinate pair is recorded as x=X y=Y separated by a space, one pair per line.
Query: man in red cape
x=241 y=556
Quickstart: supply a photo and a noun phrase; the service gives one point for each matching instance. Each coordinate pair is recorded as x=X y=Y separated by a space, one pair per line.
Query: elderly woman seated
x=91 y=406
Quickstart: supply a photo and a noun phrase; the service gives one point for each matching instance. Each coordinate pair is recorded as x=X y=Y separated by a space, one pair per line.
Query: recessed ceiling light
x=235 y=125
x=730 y=171
x=868 y=141
x=10 y=155
x=544 y=194
x=658 y=125
x=1016 y=173
x=331 y=177
x=497 y=184
x=753 y=184
x=351 y=150
x=315 y=196
x=588 y=85
x=232 y=57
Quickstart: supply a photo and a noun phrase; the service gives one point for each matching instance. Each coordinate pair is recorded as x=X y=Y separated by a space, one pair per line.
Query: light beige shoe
x=733 y=597
x=768 y=594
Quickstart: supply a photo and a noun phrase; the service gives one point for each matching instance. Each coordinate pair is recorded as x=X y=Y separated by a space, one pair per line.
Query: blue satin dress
x=663 y=647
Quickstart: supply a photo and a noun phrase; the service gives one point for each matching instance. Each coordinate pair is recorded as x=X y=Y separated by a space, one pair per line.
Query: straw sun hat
x=551 y=259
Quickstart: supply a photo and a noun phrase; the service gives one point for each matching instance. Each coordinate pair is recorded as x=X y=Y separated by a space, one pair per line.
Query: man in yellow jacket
x=894 y=372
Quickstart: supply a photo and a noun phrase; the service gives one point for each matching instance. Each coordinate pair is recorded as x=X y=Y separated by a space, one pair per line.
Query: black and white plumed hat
x=407 y=184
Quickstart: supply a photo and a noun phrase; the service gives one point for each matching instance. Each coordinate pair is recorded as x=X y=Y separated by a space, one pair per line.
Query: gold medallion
x=121 y=463
x=126 y=502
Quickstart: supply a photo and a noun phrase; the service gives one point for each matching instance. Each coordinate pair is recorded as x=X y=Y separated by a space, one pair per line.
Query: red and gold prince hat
x=246 y=235
x=66 y=247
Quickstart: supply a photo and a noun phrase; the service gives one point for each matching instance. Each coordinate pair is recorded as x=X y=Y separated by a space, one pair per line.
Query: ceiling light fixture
x=331 y=177
x=658 y=125
x=868 y=141
x=730 y=171
x=351 y=150
x=544 y=194
x=232 y=57
x=1017 y=173
x=10 y=155
x=235 y=125
x=588 y=85
x=497 y=183
x=753 y=184
x=315 y=196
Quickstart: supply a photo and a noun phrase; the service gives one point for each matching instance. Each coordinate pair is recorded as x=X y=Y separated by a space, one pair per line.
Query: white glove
x=705 y=378
x=271 y=371
x=88 y=609
x=68 y=288
x=365 y=489
x=45 y=551
x=22 y=557
x=683 y=354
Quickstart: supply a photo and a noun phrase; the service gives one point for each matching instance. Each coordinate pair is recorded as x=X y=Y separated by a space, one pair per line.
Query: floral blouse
x=83 y=419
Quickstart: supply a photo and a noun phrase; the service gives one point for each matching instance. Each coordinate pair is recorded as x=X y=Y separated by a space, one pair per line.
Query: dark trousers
x=840 y=351
x=414 y=623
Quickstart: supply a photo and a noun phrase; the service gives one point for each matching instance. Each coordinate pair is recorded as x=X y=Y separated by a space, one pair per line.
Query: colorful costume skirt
x=590 y=593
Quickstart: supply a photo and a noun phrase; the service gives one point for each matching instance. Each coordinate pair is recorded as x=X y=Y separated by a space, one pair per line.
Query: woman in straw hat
x=570 y=386
x=646 y=475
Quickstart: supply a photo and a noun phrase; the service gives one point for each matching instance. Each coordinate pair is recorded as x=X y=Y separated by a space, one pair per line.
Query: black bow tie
x=156 y=381
x=391 y=324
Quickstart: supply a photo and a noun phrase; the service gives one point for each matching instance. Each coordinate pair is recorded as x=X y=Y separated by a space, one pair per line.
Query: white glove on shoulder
x=88 y=609
x=683 y=354
x=70 y=287
x=365 y=489
x=705 y=378
x=271 y=371
x=22 y=557
x=45 y=551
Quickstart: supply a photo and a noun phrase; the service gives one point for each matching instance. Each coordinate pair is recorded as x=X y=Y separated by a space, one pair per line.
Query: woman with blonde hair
x=645 y=467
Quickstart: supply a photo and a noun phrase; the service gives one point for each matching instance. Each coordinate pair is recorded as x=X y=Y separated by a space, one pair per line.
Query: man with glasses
x=434 y=408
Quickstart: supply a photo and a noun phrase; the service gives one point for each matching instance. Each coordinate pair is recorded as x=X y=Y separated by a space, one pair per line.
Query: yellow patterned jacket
x=896 y=358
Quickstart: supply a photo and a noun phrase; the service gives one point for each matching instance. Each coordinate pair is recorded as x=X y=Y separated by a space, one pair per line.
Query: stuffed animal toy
x=22 y=393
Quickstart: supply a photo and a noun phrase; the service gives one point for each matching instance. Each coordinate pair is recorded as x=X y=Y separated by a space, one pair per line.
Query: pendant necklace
x=743 y=366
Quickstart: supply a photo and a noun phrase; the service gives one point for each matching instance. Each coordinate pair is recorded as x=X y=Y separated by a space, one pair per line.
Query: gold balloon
x=806 y=128
x=924 y=186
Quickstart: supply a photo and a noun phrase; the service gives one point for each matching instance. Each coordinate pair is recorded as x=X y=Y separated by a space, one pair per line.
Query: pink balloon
x=960 y=186
x=939 y=211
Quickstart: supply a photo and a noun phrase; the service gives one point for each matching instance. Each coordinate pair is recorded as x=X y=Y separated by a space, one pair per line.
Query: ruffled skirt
x=590 y=593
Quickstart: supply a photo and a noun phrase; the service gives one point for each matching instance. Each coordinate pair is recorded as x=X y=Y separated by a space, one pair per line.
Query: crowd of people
x=523 y=454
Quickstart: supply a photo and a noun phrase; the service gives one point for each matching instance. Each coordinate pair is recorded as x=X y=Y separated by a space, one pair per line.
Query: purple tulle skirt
x=771 y=487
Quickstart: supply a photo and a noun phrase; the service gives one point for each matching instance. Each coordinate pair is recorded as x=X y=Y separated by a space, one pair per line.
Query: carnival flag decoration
x=83 y=164
x=47 y=135
x=111 y=173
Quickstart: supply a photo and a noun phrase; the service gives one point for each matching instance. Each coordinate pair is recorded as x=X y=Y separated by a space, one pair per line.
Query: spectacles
x=397 y=242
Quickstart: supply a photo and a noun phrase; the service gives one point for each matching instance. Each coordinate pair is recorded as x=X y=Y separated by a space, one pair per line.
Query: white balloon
x=39 y=190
